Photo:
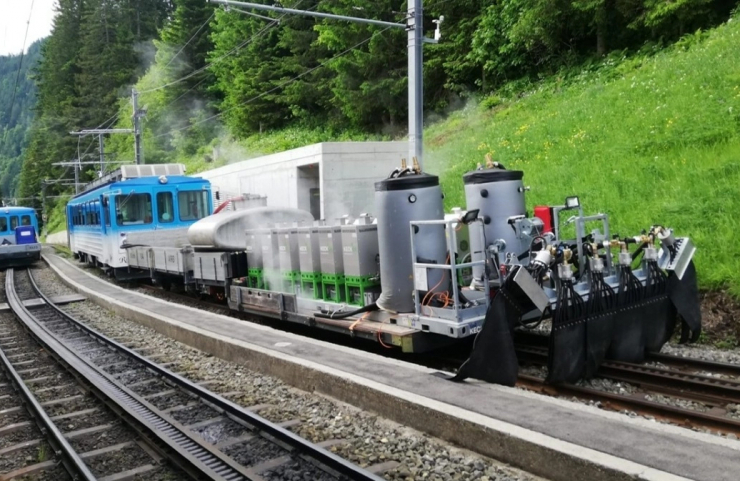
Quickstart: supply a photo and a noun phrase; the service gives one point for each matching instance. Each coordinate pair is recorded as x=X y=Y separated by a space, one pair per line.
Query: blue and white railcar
x=19 y=244
x=100 y=219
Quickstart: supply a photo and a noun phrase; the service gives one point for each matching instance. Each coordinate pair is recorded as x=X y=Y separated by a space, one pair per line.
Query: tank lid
x=491 y=175
x=413 y=181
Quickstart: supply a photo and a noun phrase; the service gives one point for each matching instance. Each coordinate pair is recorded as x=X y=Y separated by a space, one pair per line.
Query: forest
x=207 y=75
x=16 y=114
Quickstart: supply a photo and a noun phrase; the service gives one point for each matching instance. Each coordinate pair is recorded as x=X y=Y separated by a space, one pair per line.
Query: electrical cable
x=222 y=57
x=191 y=38
x=297 y=77
x=20 y=64
x=344 y=315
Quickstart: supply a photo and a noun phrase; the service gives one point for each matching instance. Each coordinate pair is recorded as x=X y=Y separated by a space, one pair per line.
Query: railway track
x=710 y=390
x=175 y=422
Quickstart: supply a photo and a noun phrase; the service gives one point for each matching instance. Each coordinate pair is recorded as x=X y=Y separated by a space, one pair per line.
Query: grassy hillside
x=652 y=139
x=649 y=139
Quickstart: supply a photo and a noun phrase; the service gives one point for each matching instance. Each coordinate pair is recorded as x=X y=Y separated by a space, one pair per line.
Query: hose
x=344 y=315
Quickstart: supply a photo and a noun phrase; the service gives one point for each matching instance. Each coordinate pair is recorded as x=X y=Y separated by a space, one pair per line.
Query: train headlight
x=162 y=179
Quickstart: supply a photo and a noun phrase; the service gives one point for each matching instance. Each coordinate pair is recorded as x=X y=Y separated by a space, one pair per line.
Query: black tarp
x=493 y=358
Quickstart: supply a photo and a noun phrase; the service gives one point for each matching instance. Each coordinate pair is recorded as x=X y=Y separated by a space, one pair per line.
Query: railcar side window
x=165 y=207
x=3 y=224
x=25 y=220
x=13 y=222
x=106 y=214
x=193 y=205
x=132 y=209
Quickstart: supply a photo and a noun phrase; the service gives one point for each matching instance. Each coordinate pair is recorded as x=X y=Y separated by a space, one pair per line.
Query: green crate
x=311 y=284
x=291 y=280
x=332 y=287
x=255 y=278
x=355 y=288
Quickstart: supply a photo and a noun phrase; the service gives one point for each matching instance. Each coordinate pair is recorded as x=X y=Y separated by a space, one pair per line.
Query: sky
x=13 y=18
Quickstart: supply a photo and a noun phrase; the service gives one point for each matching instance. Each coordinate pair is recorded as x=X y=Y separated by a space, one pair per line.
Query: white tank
x=226 y=230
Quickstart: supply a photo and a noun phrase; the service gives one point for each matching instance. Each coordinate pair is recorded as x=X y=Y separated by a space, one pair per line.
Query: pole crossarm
x=273 y=8
x=414 y=26
x=72 y=163
x=102 y=131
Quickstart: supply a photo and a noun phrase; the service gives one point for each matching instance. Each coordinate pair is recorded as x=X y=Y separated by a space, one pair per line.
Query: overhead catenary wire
x=219 y=59
x=20 y=63
x=191 y=39
x=283 y=84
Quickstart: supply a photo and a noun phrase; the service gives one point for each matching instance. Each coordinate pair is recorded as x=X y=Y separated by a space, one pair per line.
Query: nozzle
x=403 y=164
x=417 y=167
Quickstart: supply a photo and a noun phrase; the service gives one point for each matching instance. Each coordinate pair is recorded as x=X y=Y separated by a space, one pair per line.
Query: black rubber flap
x=493 y=358
x=628 y=342
x=684 y=294
x=566 y=360
x=659 y=323
x=599 y=334
x=491 y=175
x=407 y=182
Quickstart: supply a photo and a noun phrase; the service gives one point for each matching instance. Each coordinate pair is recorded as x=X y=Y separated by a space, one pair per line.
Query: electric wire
x=222 y=57
x=191 y=38
x=289 y=81
x=20 y=64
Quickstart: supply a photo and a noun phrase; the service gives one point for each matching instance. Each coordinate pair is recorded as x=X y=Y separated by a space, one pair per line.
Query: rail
x=299 y=445
x=72 y=462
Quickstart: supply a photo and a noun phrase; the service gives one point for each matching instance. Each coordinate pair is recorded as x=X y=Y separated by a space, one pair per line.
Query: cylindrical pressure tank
x=499 y=194
x=398 y=201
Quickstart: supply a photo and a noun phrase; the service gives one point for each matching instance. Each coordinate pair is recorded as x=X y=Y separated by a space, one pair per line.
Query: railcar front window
x=25 y=220
x=193 y=205
x=165 y=207
x=133 y=209
x=3 y=224
x=13 y=222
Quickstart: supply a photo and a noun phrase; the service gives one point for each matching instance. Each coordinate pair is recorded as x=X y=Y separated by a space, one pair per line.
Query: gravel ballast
x=369 y=440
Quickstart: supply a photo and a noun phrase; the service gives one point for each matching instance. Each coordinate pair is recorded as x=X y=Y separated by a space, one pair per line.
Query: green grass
x=267 y=143
x=652 y=139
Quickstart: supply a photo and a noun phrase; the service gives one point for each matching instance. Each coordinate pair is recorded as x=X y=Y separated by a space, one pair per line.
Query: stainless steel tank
x=499 y=195
x=360 y=249
x=309 y=256
x=226 y=230
x=288 y=253
x=398 y=201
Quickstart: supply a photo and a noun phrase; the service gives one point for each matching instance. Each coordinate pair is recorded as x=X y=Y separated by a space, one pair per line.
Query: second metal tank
x=499 y=194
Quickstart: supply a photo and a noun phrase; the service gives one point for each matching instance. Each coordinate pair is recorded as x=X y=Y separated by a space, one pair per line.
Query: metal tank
x=499 y=195
x=398 y=201
x=225 y=230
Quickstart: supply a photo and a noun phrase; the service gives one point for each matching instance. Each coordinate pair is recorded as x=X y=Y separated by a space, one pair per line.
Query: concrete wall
x=347 y=172
x=57 y=238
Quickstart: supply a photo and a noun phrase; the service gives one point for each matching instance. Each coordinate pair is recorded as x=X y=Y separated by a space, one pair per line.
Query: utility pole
x=415 y=30
x=101 y=151
x=77 y=175
x=138 y=153
x=415 y=27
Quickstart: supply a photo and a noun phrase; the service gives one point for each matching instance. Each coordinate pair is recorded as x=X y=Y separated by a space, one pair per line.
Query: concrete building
x=329 y=179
